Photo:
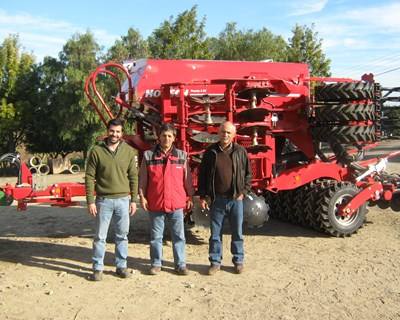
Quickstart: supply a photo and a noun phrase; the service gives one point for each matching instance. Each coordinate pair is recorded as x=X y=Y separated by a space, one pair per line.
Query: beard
x=113 y=140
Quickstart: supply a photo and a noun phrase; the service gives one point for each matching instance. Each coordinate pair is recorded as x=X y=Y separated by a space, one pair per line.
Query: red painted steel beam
x=302 y=175
x=370 y=192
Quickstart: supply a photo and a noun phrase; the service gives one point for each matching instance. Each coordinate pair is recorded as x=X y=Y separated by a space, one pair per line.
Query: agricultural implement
x=305 y=136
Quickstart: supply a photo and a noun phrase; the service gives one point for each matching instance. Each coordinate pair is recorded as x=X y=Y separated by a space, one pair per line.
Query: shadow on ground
x=74 y=260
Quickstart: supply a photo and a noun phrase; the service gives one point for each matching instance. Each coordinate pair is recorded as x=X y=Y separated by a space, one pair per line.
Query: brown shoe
x=154 y=270
x=238 y=268
x=97 y=275
x=182 y=271
x=213 y=269
x=123 y=273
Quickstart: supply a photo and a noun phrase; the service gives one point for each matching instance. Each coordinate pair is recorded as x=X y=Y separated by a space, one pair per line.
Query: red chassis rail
x=59 y=194
x=370 y=188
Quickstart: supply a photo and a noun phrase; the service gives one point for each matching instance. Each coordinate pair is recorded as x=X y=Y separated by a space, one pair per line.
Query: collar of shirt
x=111 y=150
x=166 y=153
x=159 y=152
x=228 y=148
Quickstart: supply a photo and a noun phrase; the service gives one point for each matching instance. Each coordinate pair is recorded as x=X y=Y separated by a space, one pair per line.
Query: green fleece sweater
x=111 y=174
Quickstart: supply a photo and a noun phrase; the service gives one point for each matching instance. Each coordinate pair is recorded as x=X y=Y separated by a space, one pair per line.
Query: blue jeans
x=232 y=210
x=157 y=222
x=118 y=209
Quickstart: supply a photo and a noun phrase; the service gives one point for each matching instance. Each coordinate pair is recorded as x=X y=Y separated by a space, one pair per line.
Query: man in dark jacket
x=224 y=179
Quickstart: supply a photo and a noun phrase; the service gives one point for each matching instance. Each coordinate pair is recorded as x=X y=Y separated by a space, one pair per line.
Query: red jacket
x=165 y=180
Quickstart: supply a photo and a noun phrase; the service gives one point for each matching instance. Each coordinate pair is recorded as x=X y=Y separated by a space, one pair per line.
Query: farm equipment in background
x=27 y=190
x=305 y=136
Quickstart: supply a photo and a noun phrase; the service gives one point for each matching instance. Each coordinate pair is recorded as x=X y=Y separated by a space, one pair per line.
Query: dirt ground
x=291 y=272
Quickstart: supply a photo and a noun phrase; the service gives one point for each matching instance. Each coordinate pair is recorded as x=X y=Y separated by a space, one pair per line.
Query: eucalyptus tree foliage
x=182 y=37
x=17 y=95
x=306 y=46
x=130 y=46
x=62 y=121
x=249 y=45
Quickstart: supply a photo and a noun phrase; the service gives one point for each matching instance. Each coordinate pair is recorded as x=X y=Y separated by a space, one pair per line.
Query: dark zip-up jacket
x=241 y=178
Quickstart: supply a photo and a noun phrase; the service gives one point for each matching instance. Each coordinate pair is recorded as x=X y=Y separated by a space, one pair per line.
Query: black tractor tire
x=383 y=204
x=288 y=206
x=281 y=206
x=299 y=195
x=344 y=113
x=344 y=134
x=272 y=200
x=395 y=202
x=344 y=91
x=311 y=195
x=333 y=196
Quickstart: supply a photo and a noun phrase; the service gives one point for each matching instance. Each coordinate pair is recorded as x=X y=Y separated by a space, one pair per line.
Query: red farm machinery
x=305 y=136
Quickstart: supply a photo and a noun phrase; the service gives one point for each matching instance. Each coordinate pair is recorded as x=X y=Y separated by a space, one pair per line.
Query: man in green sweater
x=111 y=172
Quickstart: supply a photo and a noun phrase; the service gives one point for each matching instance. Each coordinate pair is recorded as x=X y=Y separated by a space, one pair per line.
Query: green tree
x=80 y=55
x=391 y=121
x=17 y=95
x=233 y=44
x=63 y=115
x=305 y=46
x=180 y=38
x=131 y=46
x=45 y=125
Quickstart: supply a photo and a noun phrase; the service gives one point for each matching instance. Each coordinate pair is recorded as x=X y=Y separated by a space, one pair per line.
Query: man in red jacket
x=165 y=190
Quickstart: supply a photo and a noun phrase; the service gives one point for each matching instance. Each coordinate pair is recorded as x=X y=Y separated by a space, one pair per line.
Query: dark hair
x=115 y=122
x=167 y=127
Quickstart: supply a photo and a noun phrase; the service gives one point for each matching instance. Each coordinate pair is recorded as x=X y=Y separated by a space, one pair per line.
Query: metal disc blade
x=258 y=148
x=205 y=137
x=202 y=118
x=249 y=130
x=249 y=92
x=255 y=114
